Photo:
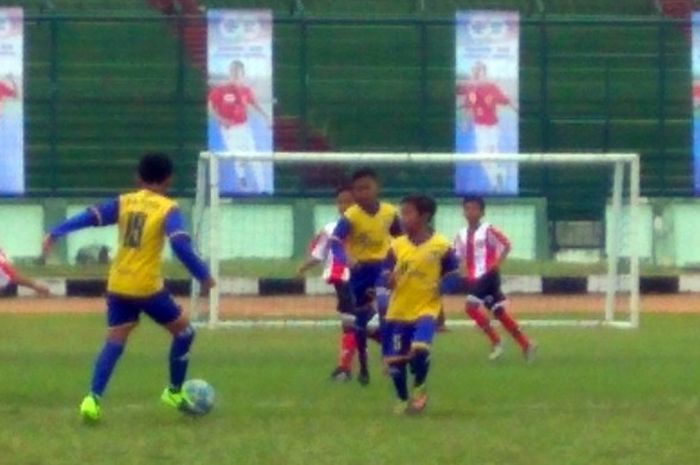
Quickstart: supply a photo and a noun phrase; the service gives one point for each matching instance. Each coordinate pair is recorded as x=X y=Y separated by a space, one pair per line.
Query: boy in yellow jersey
x=421 y=265
x=145 y=219
x=360 y=242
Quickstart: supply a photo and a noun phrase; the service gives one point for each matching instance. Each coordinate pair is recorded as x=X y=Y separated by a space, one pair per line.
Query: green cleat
x=401 y=407
x=90 y=409
x=176 y=399
x=419 y=399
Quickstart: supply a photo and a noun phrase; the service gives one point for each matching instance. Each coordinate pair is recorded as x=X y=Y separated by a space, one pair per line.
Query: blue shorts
x=398 y=336
x=363 y=281
x=160 y=307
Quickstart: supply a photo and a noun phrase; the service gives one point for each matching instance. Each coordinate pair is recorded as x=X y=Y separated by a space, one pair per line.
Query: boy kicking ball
x=146 y=218
x=420 y=266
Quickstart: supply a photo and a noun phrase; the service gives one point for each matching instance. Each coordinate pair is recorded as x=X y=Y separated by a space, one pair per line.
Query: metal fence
x=101 y=89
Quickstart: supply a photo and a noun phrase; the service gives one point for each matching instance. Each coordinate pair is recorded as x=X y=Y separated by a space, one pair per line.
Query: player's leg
x=257 y=167
x=362 y=281
x=396 y=339
x=164 y=311
x=122 y=318
x=482 y=321
x=232 y=140
x=346 y=306
x=497 y=304
x=422 y=340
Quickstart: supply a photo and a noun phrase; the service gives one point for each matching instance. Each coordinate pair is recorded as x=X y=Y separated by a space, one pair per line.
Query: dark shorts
x=487 y=290
x=363 y=282
x=398 y=337
x=346 y=301
x=160 y=307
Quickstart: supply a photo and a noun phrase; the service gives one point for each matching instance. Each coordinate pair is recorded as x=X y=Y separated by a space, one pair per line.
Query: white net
x=578 y=270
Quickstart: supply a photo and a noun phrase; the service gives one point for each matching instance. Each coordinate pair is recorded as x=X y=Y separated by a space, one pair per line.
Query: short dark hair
x=365 y=172
x=155 y=167
x=345 y=187
x=477 y=199
x=425 y=205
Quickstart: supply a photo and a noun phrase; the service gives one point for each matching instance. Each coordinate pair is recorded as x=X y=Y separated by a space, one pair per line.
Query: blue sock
x=104 y=365
x=179 y=357
x=420 y=365
x=397 y=371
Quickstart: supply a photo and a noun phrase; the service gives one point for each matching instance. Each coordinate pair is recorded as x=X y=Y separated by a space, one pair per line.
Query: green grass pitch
x=594 y=396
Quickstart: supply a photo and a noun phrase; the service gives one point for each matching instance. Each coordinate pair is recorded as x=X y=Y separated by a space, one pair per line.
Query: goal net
x=573 y=228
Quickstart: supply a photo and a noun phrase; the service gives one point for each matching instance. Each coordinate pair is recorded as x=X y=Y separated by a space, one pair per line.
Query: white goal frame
x=208 y=191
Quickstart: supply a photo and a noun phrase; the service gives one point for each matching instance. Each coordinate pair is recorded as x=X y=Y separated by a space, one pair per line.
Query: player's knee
x=498 y=310
x=120 y=334
x=186 y=335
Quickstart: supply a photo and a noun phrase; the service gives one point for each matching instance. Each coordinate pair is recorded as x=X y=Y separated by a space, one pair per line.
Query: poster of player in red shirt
x=240 y=98
x=486 y=99
x=696 y=103
x=11 y=105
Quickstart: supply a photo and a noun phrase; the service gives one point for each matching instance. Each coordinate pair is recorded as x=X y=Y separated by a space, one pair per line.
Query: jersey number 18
x=135 y=222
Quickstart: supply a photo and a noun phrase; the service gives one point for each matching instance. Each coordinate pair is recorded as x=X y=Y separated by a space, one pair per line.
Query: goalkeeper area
x=254 y=244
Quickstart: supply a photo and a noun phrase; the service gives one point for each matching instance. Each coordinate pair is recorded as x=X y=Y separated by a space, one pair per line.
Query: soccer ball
x=201 y=394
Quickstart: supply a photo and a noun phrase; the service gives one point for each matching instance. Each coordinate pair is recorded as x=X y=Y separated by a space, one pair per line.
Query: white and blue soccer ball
x=201 y=394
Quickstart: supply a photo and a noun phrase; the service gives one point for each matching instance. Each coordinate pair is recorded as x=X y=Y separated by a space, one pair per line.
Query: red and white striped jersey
x=320 y=247
x=7 y=272
x=480 y=249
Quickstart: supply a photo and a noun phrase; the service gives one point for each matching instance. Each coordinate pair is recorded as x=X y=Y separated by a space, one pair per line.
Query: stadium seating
x=118 y=90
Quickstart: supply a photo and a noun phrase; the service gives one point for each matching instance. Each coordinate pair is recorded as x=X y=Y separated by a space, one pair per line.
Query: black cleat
x=363 y=378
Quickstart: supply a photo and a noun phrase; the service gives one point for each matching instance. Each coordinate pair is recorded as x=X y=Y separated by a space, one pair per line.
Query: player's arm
x=181 y=244
x=451 y=280
x=386 y=282
x=102 y=214
x=8 y=274
x=254 y=103
x=318 y=251
x=339 y=270
x=499 y=239
x=25 y=281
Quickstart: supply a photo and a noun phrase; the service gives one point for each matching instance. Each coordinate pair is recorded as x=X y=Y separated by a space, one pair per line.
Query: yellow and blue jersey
x=136 y=269
x=145 y=219
x=367 y=235
x=418 y=270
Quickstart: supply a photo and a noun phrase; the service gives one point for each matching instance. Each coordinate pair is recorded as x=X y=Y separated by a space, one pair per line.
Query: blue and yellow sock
x=179 y=357
x=420 y=365
x=397 y=371
x=104 y=365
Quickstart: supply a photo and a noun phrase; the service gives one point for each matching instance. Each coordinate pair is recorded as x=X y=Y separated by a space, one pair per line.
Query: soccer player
x=10 y=275
x=420 y=266
x=8 y=89
x=320 y=252
x=482 y=98
x=360 y=242
x=145 y=218
x=483 y=248
x=229 y=103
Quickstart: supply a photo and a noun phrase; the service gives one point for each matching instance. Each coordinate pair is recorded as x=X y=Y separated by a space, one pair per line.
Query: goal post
x=618 y=305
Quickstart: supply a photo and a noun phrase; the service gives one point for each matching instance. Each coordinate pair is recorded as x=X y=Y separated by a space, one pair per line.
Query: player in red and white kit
x=480 y=105
x=9 y=275
x=8 y=89
x=229 y=103
x=482 y=249
x=320 y=252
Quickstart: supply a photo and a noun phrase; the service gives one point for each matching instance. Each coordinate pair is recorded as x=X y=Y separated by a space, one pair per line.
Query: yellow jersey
x=418 y=270
x=370 y=235
x=136 y=269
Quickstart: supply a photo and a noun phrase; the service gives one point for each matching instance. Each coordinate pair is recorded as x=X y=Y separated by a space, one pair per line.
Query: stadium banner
x=487 y=72
x=11 y=101
x=696 y=103
x=239 y=52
